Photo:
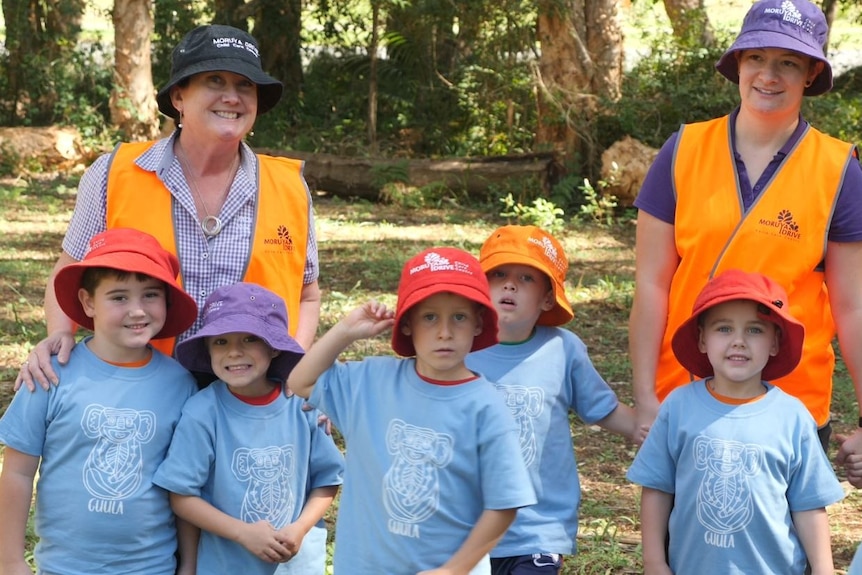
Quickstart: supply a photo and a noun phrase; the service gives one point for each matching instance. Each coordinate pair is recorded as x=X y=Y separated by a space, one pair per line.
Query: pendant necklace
x=210 y=225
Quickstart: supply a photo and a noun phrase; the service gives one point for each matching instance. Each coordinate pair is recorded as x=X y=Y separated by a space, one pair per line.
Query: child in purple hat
x=97 y=439
x=732 y=471
x=247 y=465
x=434 y=474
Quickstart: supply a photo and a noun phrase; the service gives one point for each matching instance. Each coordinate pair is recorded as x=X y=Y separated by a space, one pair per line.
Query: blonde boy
x=732 y=470
x=98 y=438
x=433 y=476
x=544 y=372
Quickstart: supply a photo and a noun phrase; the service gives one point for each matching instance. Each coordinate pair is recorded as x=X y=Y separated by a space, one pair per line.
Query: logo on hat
x=789 y=13
x=228 y=42
x=550 y=251
x=213 y=306
x=434 y=262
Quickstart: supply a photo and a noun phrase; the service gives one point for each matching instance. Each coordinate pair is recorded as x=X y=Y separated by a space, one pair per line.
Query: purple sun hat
x=796 y=25
x=247 y=308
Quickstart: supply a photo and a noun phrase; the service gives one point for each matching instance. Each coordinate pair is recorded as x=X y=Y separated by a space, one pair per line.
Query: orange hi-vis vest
x=783 y=235
x=138 y=199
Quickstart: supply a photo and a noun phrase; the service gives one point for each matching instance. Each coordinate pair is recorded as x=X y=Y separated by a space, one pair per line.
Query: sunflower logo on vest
x=783 y=225
x=282 y=239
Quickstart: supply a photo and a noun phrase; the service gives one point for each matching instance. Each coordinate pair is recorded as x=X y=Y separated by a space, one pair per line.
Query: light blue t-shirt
x=101 y=434
x=423 y=462
x=541 y=380
x=736 y=472
x=253 y=462
x=856 y=565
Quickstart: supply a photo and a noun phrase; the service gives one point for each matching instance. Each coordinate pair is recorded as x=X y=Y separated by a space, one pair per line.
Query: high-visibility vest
x=783 y=235
x=137 y=198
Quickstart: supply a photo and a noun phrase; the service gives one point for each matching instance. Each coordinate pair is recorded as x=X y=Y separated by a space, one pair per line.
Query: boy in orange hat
x=732 y=470
x=544 y=372
x=98 y=439
x=433 y=477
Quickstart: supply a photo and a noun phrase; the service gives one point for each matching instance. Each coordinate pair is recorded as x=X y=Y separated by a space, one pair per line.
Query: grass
x=363 y=246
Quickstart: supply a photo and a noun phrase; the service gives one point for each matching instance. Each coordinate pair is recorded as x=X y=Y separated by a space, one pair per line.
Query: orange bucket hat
x=532 y=246
x=437 y=270
x=132 y=251
x=773 y=307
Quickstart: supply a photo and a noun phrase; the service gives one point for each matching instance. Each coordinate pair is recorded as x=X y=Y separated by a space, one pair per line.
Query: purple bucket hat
x=796 y=25
x=248 y=308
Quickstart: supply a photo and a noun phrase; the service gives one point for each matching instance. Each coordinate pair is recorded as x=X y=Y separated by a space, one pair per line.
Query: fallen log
x=361 y=177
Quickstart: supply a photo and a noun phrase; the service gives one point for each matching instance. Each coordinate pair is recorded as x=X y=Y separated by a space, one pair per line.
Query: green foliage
x=599 y=206
x=451 y=80
x=10 y=161
x=73 y=90
x=542 y=213
x=838 y=113
x=673 y=83
x=676 y=83
x=171 y=20
x=382 y=174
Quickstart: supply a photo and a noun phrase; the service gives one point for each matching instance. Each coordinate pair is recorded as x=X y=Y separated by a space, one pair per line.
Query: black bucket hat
x=219 y=48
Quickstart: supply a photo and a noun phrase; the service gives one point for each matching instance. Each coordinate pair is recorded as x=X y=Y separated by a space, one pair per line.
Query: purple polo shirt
x=656 y=196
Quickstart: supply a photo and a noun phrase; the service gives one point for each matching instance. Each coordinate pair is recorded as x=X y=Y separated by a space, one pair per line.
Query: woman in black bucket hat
x=227 y=213
x=218 y=48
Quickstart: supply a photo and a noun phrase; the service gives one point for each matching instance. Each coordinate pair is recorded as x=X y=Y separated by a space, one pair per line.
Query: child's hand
x=640 y=434
x=291 y=537
x=261 y=539
x=368 y=320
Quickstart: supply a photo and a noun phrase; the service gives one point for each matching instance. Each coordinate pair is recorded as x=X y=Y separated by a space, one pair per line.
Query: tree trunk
x=63 y=22
x=372 y=77
x=581 y=60
x=39 y=33
x=690 y=22
x=227 y=12
x=830 y=10
x=18 y=39
x=278 y=29
x=133 y=102
x=347 y=176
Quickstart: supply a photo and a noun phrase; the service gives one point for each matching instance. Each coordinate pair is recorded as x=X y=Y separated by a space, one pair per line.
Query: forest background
x=393 y=82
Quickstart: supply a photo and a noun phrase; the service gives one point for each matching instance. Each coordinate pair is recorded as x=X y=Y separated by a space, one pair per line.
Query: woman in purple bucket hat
x=763 y=191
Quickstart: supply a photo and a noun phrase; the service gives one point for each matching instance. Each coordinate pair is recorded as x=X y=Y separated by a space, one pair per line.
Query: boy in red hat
x=433 y=471
x=98 y=439
x=732 y=471
x=544 y=372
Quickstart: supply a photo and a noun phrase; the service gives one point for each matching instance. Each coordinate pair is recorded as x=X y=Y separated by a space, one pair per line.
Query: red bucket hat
x=532 y=246
x=733 y=285
x=132 y=251
x=437 y=270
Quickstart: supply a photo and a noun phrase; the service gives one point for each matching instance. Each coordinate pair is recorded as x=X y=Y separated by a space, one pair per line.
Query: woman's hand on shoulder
x=37 y=368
